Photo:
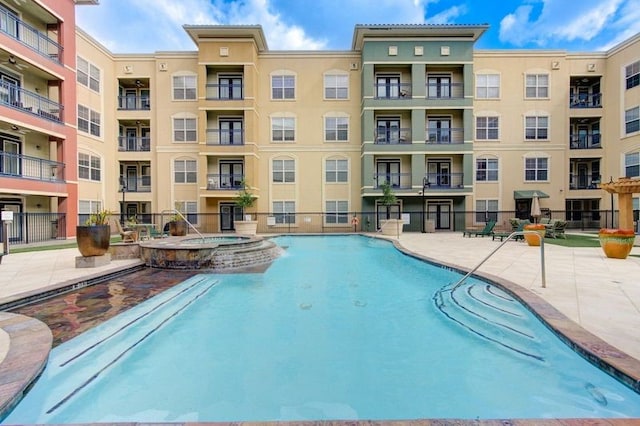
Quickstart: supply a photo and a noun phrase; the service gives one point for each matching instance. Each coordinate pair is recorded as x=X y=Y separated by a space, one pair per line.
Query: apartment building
x=461 y=135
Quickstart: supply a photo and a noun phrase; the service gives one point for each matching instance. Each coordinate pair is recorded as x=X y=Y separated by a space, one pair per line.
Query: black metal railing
x=225 y=92
x=585 y=141
x=392 y=91
x=224 y=182
x=29 y=228
x=396 y=180
x=577 y=181
x=445 y=136
x=16 y=97
x=444 y=181
x=26 y=167
x=225 y=136
x=134 y=103
x=134 y=144
x=399 y=136
x=29 y=36
x=445 y=90
x=138 y=183
x=583 y=100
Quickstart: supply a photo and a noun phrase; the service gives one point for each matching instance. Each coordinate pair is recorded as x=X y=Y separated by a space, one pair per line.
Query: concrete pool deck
x=599 y=294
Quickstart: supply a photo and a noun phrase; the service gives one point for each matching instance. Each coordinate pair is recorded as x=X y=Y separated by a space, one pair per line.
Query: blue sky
x=146 y=26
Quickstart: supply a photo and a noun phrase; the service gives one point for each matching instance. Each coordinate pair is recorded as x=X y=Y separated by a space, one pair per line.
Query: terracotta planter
x=616 y=243
x=178 y=228
x=93 y=240
x=534 y=240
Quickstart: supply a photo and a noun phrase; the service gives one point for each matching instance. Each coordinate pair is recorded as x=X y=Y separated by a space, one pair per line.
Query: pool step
x=490 y=314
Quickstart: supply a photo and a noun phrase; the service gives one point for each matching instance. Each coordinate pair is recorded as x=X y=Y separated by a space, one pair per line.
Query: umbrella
x=535 y=207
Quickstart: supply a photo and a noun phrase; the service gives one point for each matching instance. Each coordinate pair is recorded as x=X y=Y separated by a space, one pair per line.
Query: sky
x=147 y=26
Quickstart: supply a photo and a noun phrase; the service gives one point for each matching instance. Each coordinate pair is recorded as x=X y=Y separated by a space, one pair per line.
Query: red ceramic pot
x=616 y=243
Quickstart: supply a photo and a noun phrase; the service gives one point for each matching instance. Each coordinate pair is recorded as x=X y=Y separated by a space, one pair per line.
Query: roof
x=457 y=32
x=526 y=193
x=208 y=32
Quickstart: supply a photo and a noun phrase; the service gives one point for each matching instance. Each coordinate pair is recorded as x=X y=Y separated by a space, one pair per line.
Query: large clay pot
x=246 y=227
x=178 y=228
x=616 y=243
x=93 y=240
x=391 y=227
x=532 y=239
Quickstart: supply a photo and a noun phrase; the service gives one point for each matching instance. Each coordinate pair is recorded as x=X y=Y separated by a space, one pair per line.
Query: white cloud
x=447 y=16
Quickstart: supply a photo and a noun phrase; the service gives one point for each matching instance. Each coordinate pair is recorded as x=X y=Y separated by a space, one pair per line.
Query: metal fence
x=27 y=228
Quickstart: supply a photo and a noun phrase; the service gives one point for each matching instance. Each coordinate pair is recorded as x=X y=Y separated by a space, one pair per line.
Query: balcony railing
x=24 y=100
x=444 y=180
x=25 y=167
x=445 y=136
x=396 y=180
x=224 y=182
x=583 y=181
x=134 y=103
x=225 y=136
x=583 y=100
x=29 y=36
x=585 y=141
x=225 y=92
x=393 y=136
x=393 y=91
x=134 y=144
x=138 y=183
x=445 y=90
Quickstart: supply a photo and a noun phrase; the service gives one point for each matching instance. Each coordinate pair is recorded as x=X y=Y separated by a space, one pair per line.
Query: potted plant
x=245 y=199
x=93 y=237
x=616 y=243
x=389 y=226
x=177 y=226
x=532 y=239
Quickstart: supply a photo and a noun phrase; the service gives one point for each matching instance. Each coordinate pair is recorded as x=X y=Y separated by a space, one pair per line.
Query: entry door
x=583 y=176
x=231 y=175
x=15 y=227
x=440 y=213
x=10 y=157
x=388 y=171
x=132 y=179
x=387 y=212
x=131 y=135
x=130 y=96
x=583 y=136
x=229 y=213
x=439 y=173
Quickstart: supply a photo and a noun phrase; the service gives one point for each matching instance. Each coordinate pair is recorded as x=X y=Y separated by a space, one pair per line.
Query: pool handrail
x=512 y=235
x=177 y=213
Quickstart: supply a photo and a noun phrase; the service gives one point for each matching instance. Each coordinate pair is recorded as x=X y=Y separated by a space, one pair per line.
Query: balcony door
x=439 y=130
x=440 y=213
x=388 y=171
x=10 y=164
x=388 y=130
x=231 y=174
x=231 y=131
x=388 y=86
x=439 y=173
x=229 y=213
x=131 y=135
x=583 y=175
x=9 y=89
x=130 y=97
x=230 y=87
x=439 y=86
x=132 y=179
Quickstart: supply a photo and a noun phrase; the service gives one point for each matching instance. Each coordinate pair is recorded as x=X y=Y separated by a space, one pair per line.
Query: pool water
x=340 y=327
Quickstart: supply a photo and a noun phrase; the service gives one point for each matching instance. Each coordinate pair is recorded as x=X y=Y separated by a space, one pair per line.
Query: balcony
x=138 y=184
x=444 y=180
x=585 y=141
x=396 y=180
x=134 y=144
x=583 y=181
x=16 y=97
x=25 y=167
x=226 y=182
x=445 y=90
x=225 y=136
x=399 y=136
x=392 y=91
x=134 y=103
x=584 y=100
x=29 y=36
x=225 y=92
x=445 y=136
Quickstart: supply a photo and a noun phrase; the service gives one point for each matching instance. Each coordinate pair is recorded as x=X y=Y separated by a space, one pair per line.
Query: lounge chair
x=556 y=230
x=128 y=235
x=519 y=228
x=487 y=230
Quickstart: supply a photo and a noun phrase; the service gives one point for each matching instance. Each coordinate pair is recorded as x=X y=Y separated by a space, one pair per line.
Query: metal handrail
x=513 y=234
x=177 y=213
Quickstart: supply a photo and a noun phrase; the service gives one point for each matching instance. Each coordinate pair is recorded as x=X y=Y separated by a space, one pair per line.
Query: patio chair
x=487 y=230
x=556 y=230
x=518 y=228
x=128 y=235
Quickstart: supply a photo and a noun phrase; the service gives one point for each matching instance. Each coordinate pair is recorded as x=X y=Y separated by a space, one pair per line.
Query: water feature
x=336 y=328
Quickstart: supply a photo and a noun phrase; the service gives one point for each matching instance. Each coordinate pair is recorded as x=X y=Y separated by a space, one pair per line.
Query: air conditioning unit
x=354 y=66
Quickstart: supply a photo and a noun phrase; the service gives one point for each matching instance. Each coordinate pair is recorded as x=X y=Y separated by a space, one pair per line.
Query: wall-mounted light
x=38 y=205
x=15 y=128
x=38 y=147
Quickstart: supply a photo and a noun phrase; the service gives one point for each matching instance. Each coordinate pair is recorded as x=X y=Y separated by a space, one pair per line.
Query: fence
x=29 y=228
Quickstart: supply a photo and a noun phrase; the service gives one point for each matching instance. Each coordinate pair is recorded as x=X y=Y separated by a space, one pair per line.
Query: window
x=86 y=207
x=536 y=128
x=336 y=86
x=283 y=129
x=184 y=130
x=487 y=128
x=284 y=212
x=336 y=129
x=537 y=86
x=337 y=212
x=283 y=87
x=184 y=87
x=88 y=74
x=185 y=171
x=632 y=120
x=488 y=86
x=536 y=169
x=487 y=170
x=632 y=164
x=632 y=73
x=88 y=120
x=284 y=171
x=189 y=210
x=486 y=210
x=337 y=171
x=89 y=167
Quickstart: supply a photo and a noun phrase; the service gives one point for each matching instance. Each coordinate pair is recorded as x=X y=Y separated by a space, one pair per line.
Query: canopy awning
x=518 y=195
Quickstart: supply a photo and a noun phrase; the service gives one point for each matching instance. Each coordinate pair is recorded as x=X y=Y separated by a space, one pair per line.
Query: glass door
x=230 y=87
x=131 y=134
x=388 y=130
x=439 y=130
x=231 y=132
x=387 y=86
x=439 y=86
x=132 y=179
x=231 y=175
x=10 y=164
x=439 y=173
x=388 y=171
x=440 y=213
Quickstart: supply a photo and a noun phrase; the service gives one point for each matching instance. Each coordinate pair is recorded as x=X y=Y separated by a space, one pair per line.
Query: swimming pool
x=337 y=328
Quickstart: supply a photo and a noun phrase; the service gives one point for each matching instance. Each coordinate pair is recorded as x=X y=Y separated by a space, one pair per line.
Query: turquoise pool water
x=340 y=327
